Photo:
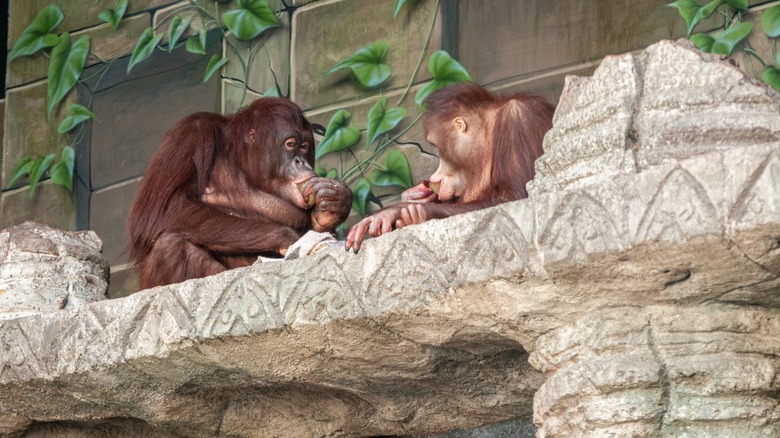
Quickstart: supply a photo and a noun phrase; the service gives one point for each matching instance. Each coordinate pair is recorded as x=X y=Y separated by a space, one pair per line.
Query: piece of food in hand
x=309 y=198
x=435 y=186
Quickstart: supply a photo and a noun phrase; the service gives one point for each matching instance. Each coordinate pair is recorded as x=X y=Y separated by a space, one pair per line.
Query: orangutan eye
x=305 y=147
x=290 y=143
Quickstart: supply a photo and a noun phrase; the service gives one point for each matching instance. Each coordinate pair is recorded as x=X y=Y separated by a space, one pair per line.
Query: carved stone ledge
x=642 y=277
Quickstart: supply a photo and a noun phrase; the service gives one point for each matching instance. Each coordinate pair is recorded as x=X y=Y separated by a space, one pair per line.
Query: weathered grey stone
x=703 y=370
x=647 y=300
x=658 y=107
x=44 y=270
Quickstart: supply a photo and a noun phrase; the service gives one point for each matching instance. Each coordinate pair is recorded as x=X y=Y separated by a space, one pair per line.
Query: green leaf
x=197 y=44
x=144 y=47
x=742 y=5
x=703 y=41
x=367 y=65
x=339 y=135
x=250 y=19
x=382 y=120
x=360 y=196
x=321 y=172
x=771 y=76
x=396 y=171
x=65 y=67
x=399 y=4
x=445 y=71
x=20 y=170
x=215 y=63
x=37 y=36
x=724 y=44
x=704 y=13
x=770 y=21
x=114 y=16
x=176 y=30
x=687 y=10
x=77 y=114
x=62 y=172
x=37 y=169
x=59 y=175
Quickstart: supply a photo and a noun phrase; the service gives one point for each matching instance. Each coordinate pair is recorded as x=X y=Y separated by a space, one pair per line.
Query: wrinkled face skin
x=288 y=163
x=295 y=169
x=458 y=142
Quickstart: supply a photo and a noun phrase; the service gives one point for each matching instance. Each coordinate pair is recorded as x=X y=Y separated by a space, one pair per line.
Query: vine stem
x=750 y=51
x=422 y=55
x=358 y=167
x=728 y=19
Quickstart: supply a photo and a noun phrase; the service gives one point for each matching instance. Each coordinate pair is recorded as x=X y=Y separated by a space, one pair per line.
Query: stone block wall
x=506 y=45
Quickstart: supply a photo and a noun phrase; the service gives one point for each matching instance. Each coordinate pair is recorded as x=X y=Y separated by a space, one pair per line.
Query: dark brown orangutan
x=487 y=146
x=223 y=190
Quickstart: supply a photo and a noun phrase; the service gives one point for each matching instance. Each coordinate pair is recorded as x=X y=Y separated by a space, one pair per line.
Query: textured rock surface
x=642 y=277
x=43 y=270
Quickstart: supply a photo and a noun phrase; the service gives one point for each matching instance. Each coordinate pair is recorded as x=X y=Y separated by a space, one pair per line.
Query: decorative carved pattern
x=497 y=250
x=394 y=275
x=18 y=360
x=165 y=321
x=246 y=305
x=318 y=293
x=759 y=199
x=679 y=208
x=580 y=226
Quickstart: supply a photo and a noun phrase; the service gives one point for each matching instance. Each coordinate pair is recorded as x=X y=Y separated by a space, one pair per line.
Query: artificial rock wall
x=635 y=294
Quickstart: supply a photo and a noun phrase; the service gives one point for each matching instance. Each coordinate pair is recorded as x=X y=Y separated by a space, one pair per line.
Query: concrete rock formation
x=640 y=279
x=43 y=270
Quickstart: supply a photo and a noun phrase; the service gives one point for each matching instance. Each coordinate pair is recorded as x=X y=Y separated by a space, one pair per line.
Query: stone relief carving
x=679 y=206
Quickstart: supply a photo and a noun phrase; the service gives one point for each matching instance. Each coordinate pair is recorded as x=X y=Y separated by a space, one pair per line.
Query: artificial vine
x=734 y=32
x=247 y=20
x=383 y=167
x=67 y=59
